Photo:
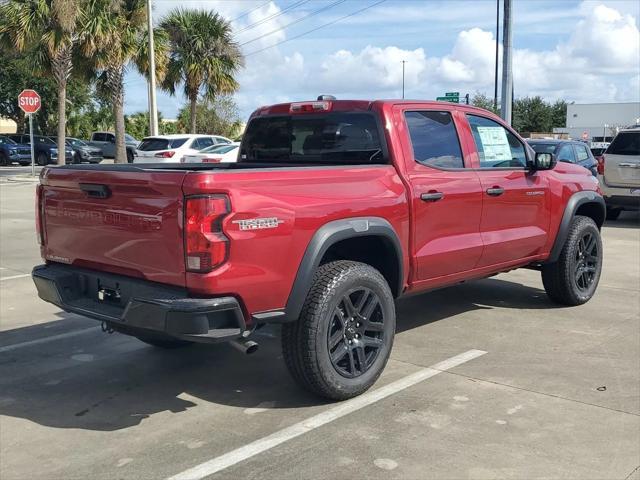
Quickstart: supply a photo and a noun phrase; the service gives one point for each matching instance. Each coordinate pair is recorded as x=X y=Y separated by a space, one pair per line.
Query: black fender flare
x=326 y=236
x=575 y=201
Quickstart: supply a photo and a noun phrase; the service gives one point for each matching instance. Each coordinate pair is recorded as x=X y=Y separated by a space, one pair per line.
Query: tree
x=559 y=114
x=114 y=36
x=218 y=117
x=203 y=56
x=50 y=30
x=482 y=101
x=531 y=114
x=138 y=124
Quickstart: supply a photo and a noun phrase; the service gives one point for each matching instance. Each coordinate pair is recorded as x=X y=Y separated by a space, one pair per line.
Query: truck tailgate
x=125 y=222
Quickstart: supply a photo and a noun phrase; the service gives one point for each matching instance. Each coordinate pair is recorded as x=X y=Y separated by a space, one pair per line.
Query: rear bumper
x=620 y=197
x=129 y=305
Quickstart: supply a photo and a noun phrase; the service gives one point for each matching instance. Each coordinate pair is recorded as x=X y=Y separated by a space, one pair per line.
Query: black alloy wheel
x=586 y=261
x=356 y=332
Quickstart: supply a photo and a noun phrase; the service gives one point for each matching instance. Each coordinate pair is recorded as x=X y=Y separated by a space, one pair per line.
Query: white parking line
x=15 y=346
x=240 y=454
x=13 y=277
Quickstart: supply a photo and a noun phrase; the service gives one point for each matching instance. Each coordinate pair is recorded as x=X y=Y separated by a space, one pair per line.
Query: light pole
x=507 y=73
x=495 y=82
x=403 y=62
x=153 y=107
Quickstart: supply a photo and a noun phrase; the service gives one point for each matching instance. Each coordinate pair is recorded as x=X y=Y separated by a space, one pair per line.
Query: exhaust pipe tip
x=245 y=346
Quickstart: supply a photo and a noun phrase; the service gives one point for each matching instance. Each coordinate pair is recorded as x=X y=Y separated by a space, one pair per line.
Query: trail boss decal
x=258 y=223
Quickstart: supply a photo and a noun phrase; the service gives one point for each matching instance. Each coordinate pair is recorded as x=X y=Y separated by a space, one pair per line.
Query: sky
x=581 y=51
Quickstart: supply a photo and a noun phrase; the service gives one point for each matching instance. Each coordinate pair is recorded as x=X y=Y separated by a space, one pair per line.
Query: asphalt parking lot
x=556 y=395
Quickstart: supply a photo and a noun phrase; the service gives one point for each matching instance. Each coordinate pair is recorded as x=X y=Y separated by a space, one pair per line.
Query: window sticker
x=495 y=144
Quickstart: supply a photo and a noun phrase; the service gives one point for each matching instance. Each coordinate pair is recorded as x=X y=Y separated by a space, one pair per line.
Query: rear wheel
x=4 y=161
x=573 y=279
x=129 y=156
x=341 y=343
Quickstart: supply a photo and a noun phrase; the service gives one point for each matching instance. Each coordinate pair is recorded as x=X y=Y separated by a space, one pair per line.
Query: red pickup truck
x=333 y=210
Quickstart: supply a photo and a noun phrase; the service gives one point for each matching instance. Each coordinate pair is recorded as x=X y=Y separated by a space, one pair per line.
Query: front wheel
x=573 y=279
x=129 y=156
x=341 y=343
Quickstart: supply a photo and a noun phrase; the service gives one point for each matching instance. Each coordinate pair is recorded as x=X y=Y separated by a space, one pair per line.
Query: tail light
x=600 y=160
x=206 y=246
x=167 y=154
x=212 y=160
x=39 y=229
x=303 y=107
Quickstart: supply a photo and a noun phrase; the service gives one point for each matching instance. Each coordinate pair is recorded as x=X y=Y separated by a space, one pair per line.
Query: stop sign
x=29 y=101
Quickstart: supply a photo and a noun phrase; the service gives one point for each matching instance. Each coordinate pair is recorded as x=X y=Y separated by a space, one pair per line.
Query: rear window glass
x=332 y=138
x=625 y=143
x=153 y=144
x=543 y=147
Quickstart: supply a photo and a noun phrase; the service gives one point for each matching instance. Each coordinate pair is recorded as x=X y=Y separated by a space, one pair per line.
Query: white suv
x=619 y=173
x=172 y=148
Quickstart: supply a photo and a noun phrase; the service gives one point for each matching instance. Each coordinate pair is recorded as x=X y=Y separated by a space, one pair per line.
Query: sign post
x=29 y=103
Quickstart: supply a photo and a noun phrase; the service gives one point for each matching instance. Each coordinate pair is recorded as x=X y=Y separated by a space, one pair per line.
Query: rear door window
x=582 y=153
x=99 y=137
x=331 y=138
x=202 y=142
x=625 y=143
x=566 y=154
x=434 y=139
x=153 y=144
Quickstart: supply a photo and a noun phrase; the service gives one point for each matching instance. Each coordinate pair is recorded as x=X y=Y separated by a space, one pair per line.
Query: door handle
x=432 y=196
x=495 y=191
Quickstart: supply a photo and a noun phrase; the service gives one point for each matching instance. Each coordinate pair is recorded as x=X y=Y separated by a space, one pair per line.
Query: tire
x=162 y=341
x=573 y=279
x=613 y=213
x=77 y=159
x=129 y=156
x=4 y=161
x=327 y=324
x=41 y=159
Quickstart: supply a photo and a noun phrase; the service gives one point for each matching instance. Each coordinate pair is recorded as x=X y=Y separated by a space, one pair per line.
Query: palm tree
x=115 y=35
x=49 y=30
x=203 y=55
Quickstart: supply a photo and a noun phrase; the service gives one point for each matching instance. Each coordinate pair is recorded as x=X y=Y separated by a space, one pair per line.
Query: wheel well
x=376 y=251
x=592 y=210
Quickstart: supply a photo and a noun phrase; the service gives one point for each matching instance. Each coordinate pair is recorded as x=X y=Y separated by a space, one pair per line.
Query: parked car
x=82 y=152
x=225 y=153
x=619 y=173
x=569 y=151
x=172 y=148
x=106 y=141
x=45 y=149
x=333 y=210
x=11 y=152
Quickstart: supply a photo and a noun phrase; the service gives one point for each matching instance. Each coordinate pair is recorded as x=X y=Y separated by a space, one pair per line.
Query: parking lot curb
x=23 y=178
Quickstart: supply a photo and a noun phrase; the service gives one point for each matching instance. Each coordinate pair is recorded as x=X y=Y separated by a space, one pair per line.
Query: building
x=599 y=122
x=7 y=126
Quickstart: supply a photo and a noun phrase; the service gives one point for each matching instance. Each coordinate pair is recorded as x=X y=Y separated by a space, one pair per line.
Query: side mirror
x=544 y=161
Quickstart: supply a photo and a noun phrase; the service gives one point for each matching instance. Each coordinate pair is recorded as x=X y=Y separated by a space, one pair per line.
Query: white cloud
x=586 y=52
x=372 y=68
